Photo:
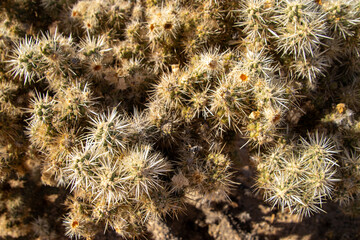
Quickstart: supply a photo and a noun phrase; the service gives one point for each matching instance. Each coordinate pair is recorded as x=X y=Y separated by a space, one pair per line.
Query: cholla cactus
x=41 y=121
x=58 y=52
x=134 y=106
x=256 y=18
x=301 y=28
x=349 y=188
x=144 y=170
x=108 y=131
x=299 y=177
x=27 y=61
x=163 y=24
x=343 y=17
x=227 y=104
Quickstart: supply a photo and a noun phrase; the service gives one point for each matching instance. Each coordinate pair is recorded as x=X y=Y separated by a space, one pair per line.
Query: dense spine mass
x=130 y=108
